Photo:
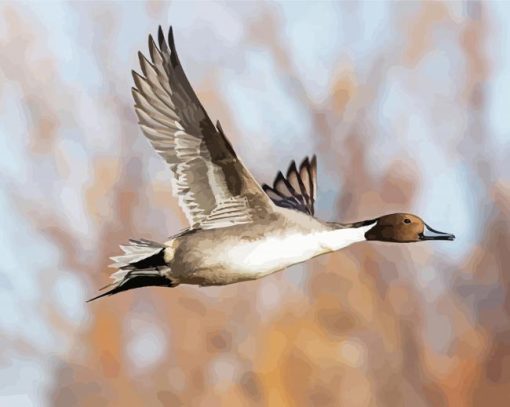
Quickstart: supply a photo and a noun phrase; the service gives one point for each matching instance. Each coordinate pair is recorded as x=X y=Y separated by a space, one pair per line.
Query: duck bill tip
x=435 y=235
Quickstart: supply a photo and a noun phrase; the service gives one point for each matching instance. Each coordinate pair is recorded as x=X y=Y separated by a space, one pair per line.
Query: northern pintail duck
x=239 y=230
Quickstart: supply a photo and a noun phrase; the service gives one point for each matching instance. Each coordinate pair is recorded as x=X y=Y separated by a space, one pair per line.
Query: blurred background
x=406 y=106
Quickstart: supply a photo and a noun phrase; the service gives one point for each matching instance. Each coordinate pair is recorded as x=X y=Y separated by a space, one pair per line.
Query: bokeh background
x=406 y=105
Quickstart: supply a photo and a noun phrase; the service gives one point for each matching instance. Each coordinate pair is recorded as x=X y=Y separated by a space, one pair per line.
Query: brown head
x=404 y=228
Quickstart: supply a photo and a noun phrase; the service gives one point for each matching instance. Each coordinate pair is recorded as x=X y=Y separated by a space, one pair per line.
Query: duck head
x=404 y=228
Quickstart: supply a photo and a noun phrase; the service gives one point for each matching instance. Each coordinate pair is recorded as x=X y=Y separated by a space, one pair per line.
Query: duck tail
x=142 y=264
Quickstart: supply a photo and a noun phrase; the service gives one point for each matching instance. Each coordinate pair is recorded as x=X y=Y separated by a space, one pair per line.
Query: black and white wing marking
x=298 y=189
x=213 y=187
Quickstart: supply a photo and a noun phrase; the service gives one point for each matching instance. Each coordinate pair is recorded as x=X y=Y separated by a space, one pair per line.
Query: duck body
x=249 y=252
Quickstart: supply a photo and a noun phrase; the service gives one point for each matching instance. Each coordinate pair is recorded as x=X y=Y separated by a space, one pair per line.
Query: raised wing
x=213 y=187
x=298 y=189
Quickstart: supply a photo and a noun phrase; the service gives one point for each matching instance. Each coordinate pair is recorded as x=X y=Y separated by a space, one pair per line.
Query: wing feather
x=213 y=186
x=298 y=189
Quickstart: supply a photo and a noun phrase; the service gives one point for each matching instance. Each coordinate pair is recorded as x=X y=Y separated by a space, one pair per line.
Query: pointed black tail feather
x=142 y=265
x=137 y=281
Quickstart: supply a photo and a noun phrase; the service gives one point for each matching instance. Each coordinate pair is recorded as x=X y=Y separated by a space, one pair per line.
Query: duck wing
x=298 y=189
x=213 y=187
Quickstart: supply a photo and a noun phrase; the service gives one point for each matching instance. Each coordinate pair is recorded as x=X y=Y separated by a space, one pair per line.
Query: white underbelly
x=258 y=258
x=255 y=259
x=240 y=259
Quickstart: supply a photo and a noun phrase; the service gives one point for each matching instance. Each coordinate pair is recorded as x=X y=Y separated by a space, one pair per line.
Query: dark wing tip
x=279 y=177
x=171 y=42
x=161 y=36
x=173 y=52
x=142 y=61
x=137 y=78
x=304 y=164
x=292 y=168
x=161 y=40
x=313 y=162
x=152 y=47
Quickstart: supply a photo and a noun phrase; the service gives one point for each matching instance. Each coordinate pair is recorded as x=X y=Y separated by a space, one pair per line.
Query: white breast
x=265 y=256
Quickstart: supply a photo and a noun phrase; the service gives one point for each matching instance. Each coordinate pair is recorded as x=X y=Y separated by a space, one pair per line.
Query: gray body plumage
x=198 y=257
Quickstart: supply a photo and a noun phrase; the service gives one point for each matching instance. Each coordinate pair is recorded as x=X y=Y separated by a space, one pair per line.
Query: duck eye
x=407 y=220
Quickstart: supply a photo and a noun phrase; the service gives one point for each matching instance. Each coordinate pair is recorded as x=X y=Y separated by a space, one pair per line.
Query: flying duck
x=239 y=230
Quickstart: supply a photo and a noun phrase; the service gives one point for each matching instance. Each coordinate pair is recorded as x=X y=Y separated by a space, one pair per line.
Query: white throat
x=340 y=238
